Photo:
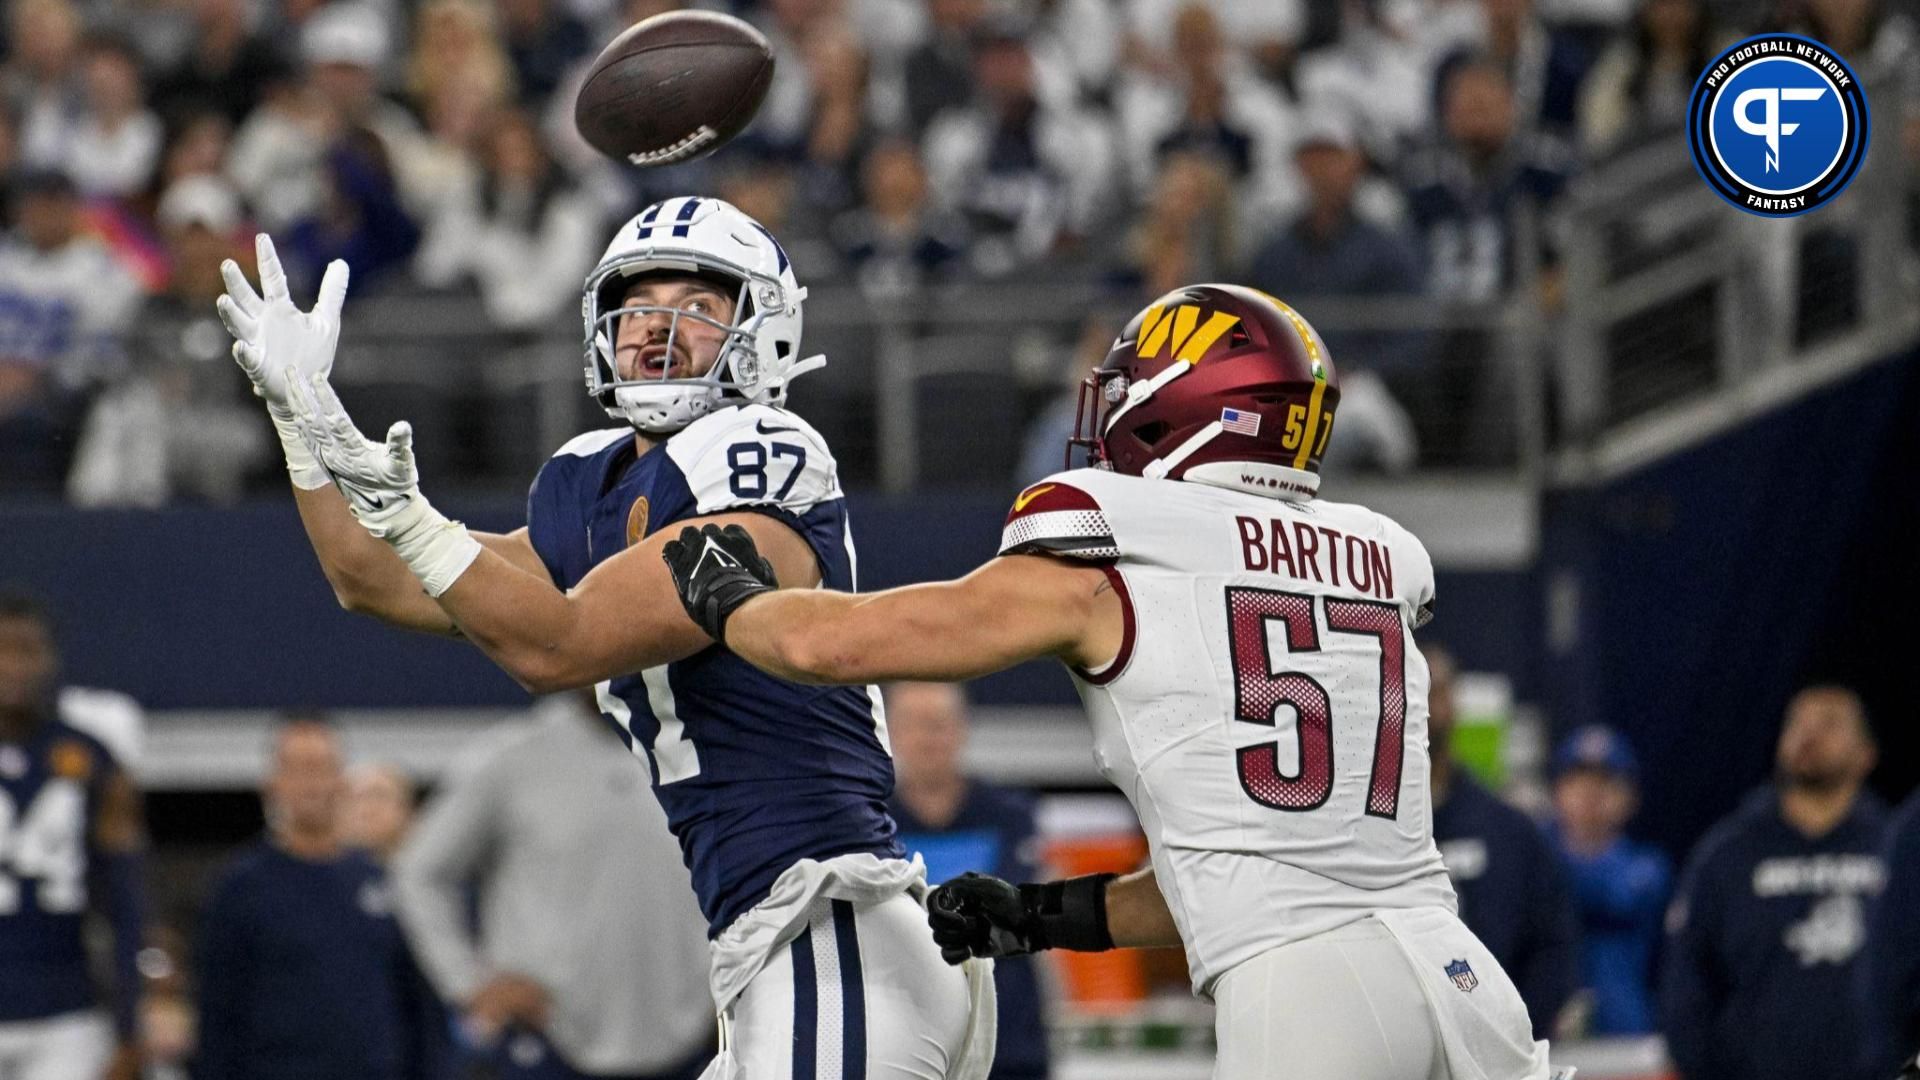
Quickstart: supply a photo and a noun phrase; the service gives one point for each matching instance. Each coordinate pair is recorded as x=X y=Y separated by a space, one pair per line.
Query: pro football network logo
x=1778 y=125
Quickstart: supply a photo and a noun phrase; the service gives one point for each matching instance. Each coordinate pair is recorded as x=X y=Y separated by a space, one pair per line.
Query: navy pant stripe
x=853 y=994
x=806 y=1008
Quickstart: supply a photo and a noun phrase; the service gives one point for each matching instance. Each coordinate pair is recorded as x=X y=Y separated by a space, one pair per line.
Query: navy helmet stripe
x=646 y=221
x=853 y=995
x=806 y=1008
x=775 y=241
x=685 y=215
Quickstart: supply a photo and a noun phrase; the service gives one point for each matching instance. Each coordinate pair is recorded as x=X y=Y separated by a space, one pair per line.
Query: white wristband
x=305 y=469
x=437 y=550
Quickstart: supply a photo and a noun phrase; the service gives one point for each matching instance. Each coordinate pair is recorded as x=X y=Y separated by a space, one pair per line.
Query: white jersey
x=1267 y=712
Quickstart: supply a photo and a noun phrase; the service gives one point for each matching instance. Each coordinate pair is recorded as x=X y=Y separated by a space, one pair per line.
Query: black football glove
x=977 y=915
x=716 y=570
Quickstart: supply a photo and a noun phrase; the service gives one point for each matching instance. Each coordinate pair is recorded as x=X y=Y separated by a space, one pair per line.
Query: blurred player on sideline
x=71 y=841
x=776 y=792
x=1246 y=654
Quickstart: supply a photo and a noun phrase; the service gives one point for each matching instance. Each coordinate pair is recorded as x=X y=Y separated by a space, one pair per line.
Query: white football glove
x=278 y=345
x=381 y=484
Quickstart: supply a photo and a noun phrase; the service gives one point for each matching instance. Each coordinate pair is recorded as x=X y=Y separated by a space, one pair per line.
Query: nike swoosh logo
x=761 y=427
x=1026 y=497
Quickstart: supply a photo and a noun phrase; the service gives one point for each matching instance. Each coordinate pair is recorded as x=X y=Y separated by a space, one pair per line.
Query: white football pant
x=862 y=995
x=1349 y=1005
x=65 y=1047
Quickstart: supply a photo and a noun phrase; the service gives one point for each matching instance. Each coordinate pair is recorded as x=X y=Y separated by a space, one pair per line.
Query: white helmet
x=759 y=355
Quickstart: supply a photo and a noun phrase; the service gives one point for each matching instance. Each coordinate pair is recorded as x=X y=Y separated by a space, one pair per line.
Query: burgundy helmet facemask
x=1219 y=384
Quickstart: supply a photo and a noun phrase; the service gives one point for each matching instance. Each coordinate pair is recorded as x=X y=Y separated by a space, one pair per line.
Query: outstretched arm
x=622 y=617
x=977 y=915
x=284 y=351
x=1015 y=608
x=369 y=579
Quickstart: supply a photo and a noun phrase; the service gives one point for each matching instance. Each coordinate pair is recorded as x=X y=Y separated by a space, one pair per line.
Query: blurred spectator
x=1543 y=67
x=525 y=235
x=939 y=73
x=1767 y=932
x=1467 y=188
x=1027 y=172
x=1619 y=884
x=180 y=424
x=1513 y=893
x=75 y=846
x=303 y=971
x=1265 y=30
x=1377 y=72
x=1078 y=41
x=839 y=131
x=789 y=25
x=42 y=77
x=895 y=241
x=1890 y=992
x=1044 y=449
x=457 y=49
x=560 y=984
x=957 y=824
x=1330 y=249
x=116 y=143
x=1209 y=101
x=64 y=306
x=227 y=69
x=543 y=40
x=331 y=161
x=360 y=219
x=1185 y=233
x=1641 y=84
x=379 y=810
x=197 y=147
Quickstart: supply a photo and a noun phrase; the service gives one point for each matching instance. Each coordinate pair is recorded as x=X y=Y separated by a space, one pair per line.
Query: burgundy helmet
x=1217 y=383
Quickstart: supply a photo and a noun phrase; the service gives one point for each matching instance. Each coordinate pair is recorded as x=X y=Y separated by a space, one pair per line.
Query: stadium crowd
x=1364 y=148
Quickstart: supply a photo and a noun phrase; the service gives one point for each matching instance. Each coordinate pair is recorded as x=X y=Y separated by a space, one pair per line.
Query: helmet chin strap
x=1158 y=468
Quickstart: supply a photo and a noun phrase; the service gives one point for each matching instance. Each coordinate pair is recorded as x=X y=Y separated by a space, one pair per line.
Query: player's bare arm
x=369 y=579
x=625 y=615
x=1013 y=609
x=1137 y=913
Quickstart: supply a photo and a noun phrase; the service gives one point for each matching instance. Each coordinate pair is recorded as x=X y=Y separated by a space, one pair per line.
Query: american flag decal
x=1239 y=422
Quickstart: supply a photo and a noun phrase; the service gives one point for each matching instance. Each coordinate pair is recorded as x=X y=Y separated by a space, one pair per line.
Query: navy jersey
x=51 y=786
x=1766 y=936
x=1513 y=894
x=1891 y=977
x=755 y=773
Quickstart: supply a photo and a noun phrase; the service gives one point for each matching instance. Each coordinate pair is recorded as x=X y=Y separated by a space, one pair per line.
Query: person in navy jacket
x=1513 y=892
x=304 y=974
x=1890 y=986
x=1767 y=933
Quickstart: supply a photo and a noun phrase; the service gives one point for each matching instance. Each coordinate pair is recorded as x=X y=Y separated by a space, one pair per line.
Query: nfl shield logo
x=1462 y=975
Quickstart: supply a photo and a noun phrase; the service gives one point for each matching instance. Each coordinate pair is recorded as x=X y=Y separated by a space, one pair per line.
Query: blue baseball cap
x=1596 y=746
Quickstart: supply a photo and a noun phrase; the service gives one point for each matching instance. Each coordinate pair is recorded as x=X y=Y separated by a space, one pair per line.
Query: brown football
x=674 y=87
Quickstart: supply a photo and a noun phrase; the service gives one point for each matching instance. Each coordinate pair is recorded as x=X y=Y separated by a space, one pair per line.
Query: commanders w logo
x=1163 y=327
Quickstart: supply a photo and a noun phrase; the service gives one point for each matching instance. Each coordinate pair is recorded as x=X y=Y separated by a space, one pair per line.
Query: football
x=674 y=87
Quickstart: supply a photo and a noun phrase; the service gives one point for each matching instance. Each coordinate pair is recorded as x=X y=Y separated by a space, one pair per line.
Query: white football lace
x=700 y=137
